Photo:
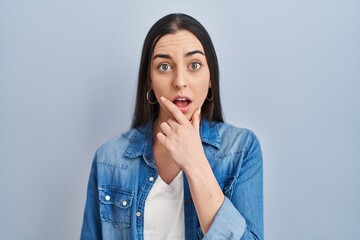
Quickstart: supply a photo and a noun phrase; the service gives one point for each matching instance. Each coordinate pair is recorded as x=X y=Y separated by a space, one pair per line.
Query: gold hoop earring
x=212 y=95
x=147 y=97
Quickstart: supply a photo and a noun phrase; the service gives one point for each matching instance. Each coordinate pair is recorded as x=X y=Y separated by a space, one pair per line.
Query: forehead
x=182 y=40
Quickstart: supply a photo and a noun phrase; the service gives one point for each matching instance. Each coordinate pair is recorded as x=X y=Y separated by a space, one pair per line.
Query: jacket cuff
x=228 y=223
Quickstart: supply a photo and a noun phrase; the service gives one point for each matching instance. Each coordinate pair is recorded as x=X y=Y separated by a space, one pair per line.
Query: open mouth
x=183 y=103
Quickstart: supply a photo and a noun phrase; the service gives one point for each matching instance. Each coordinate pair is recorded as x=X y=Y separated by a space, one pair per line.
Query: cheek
x=158 y=88
x=155 y=82
x=202 y=92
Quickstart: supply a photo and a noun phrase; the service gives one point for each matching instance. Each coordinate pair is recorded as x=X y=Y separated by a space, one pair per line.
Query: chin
x=189 y=114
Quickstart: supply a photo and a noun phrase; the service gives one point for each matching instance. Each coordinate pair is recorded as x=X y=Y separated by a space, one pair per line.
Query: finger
x=195 y=119
x=178 y=115
x=166 y=128
x=173 y=123
x=162 y=138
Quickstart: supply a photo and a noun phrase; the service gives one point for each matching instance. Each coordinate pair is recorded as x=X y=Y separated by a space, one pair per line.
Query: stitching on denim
x=221 y=156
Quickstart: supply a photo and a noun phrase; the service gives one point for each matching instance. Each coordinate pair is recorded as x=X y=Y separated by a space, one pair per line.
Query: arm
x=245 y=207
x=182 y=140
x=205 y=191
x=235 y=218
x=91 y=228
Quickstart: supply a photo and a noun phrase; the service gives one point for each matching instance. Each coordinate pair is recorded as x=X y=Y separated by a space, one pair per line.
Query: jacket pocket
x=115 y=205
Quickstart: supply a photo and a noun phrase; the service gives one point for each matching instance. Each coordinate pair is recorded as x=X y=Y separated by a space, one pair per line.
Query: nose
x=180 y=79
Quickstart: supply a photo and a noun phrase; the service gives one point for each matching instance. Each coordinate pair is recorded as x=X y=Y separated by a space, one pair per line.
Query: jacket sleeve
x=241 y=216
x=91 y=228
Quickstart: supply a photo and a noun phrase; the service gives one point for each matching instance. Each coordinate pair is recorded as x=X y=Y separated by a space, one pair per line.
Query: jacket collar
x=141 y=139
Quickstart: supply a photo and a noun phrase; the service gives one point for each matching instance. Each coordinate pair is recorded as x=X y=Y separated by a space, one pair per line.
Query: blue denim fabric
x=123 y=172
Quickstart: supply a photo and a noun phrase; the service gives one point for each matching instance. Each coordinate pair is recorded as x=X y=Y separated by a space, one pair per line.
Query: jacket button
x=124 y=203
x=189 y=201
x=138 y=214
x=151 y=179
x=107 y=198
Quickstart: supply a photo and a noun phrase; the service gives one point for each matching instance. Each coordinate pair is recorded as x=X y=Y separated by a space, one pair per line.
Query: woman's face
x=179 y=72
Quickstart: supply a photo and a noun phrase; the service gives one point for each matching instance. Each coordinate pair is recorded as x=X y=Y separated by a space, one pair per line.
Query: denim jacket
x=124 y=170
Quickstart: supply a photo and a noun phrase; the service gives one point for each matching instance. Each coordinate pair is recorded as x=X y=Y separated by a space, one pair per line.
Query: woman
x=180 y=172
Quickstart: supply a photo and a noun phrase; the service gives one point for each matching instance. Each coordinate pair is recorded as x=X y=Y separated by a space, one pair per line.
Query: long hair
x=170 y=24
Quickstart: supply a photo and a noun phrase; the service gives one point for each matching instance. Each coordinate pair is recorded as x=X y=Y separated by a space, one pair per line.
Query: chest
x=125 y=187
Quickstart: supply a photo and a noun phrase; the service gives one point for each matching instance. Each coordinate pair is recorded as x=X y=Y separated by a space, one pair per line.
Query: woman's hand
x=181 y=137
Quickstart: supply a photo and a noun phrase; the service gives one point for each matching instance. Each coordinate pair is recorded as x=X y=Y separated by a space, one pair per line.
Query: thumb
x=195 y=119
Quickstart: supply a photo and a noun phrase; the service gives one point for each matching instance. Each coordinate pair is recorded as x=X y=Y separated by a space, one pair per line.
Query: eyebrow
x=162 y=56
x=189 y=54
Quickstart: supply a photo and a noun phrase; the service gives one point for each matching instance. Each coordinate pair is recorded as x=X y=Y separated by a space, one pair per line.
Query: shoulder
x=115 y=148
x=235 y=137
x=229 y=148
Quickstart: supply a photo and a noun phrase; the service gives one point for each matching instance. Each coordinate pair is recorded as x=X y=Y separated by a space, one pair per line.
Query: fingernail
x=199 y=111
x=162 y=98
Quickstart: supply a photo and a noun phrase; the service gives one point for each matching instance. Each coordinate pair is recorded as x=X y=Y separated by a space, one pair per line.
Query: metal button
x=138 y=214
x=107 y=198
x=151 y=179
x=124 y=203
x=189 y=201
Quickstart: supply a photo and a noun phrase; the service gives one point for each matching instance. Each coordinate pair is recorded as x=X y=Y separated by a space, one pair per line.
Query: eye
x=195 y=65
x=164 y=67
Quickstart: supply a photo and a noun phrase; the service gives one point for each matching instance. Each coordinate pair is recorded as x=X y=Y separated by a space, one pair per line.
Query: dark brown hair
x=170 y=24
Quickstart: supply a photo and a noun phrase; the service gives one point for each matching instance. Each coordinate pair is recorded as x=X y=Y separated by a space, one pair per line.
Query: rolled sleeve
x=223 y=226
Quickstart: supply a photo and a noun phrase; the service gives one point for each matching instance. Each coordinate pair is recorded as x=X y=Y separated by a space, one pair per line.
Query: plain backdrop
x=290 y=71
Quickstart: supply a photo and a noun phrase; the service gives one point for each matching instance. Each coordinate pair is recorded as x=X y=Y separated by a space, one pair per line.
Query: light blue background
x=290 y=71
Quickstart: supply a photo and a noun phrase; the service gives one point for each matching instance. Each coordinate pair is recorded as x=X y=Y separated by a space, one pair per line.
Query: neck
x=156 y=125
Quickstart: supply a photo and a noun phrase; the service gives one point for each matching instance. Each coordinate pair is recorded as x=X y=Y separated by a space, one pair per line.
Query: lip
x=182 y=97
x=186 y=108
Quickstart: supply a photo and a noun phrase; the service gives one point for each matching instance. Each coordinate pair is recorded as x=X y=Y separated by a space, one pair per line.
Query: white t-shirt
x=164 y=210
